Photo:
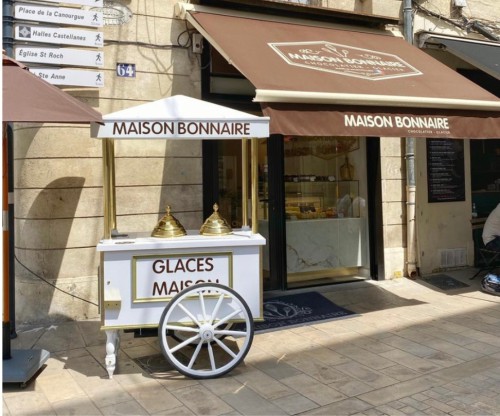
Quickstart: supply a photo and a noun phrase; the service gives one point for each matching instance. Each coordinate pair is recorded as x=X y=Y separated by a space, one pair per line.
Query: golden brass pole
x=254 y=147
x=108 y=160
x=244 y=181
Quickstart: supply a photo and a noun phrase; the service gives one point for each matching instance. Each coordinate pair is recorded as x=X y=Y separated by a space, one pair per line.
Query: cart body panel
x=141 y=274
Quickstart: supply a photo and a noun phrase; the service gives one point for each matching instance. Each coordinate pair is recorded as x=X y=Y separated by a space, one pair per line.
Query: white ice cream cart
x=201 y=288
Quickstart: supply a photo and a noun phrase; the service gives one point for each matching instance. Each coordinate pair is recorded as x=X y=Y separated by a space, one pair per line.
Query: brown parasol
x=28 y=98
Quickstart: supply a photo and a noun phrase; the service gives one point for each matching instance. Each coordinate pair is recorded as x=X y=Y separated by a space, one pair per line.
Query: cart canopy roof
x=180 y=117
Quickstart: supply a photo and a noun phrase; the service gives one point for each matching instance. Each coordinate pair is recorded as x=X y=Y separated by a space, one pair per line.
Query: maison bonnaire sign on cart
x=180 y=117
x=160 y=277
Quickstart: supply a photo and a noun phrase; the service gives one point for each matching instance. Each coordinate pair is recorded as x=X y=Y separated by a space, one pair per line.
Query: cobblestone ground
x=410 y=349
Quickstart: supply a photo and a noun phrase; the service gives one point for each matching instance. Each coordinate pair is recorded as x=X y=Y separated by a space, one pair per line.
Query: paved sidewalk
x=412 y=349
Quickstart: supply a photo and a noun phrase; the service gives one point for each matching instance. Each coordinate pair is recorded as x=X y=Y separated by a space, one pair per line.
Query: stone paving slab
x=411 y=350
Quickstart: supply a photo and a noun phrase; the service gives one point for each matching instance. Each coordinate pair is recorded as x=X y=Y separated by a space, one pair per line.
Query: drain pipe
x=8 y=27
x=411 y=250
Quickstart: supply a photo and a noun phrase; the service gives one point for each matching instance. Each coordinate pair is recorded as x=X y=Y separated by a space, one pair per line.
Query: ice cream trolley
x=201 y=288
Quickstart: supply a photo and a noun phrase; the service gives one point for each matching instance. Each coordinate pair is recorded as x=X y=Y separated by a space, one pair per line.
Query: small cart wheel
x=214 y=316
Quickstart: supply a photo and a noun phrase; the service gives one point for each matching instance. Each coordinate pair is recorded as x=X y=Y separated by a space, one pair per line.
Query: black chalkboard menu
x=445 y=170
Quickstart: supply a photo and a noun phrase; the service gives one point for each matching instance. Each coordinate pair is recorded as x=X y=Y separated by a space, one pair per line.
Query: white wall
x=441 y=225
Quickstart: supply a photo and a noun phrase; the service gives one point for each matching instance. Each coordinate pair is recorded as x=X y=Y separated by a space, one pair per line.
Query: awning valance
x=326 y=120
x=374 y=77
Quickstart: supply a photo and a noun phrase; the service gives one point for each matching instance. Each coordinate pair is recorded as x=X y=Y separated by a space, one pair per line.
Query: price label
x=125 y=70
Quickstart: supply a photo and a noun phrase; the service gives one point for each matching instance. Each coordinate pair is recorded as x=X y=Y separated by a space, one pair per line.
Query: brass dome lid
x=168 y=227
x=215 y=224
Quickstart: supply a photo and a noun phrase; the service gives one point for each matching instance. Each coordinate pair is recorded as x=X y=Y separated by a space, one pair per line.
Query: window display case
x=320 y=198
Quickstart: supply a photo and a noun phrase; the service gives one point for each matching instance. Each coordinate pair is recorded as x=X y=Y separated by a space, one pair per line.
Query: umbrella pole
x=5 y=251
x=19 y=366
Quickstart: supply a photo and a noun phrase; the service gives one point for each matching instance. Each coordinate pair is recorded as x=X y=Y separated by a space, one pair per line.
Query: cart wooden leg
x=112 y=343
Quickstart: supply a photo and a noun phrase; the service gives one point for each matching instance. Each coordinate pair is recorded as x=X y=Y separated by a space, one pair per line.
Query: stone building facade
x=58 y=168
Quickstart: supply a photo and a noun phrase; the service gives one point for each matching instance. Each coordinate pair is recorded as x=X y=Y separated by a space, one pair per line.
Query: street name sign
x=58 y=35
x=59 y=56
x=73 y=77
x=62 y=15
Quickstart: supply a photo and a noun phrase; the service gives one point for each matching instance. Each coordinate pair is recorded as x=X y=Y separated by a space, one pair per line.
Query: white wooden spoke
x=211 y=355
x=232 y=333
x=227 y=318
x=185 y=343
x=188 y=313
x=181 y=328
x=225 y=348
x=217 y=307
x=195 y=354
x=202 y=304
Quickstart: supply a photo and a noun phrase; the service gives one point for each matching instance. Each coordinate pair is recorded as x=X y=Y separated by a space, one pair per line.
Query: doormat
x=445 y=282
x=298 y=310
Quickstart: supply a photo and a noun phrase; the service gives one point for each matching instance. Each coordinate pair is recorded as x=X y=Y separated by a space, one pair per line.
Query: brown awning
x=482 y=54
x=313 y=79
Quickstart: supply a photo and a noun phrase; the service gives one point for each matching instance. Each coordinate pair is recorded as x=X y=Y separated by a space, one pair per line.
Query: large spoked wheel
x=208 y=315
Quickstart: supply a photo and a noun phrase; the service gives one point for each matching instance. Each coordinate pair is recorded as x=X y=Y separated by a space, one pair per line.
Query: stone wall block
x=54 y=140
x=394 y=262
x=58 y=233
x=158 y=8
x=375 y=7
x=57 y=264
x=153 y=87
x=394 y=190
x=158 y=148
x=394 y=236
x=392 y=168
x=392 y=146
x=48 y=305
x=154 y=199
x=394 y=212
x=154 y=171
x=53 y=203
x=183 y=85
x=58 y=173
x=143 y=29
